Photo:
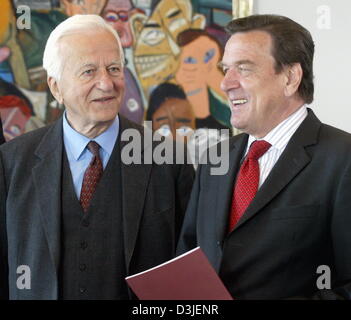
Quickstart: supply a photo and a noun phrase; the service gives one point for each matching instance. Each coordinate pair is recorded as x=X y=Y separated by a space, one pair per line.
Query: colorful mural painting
x=177 y=42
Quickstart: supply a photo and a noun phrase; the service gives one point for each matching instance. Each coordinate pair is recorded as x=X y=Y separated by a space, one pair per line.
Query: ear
x=293 y=79
x=55 y=90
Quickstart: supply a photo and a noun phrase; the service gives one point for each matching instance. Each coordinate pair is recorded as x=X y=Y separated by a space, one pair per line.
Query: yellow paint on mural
x=156 y=51
x=5 y=19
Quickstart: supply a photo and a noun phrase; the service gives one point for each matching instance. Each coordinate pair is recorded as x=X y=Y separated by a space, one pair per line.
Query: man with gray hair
x=75 y=220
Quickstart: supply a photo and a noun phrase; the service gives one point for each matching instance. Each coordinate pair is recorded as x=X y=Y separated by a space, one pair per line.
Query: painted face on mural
x=156 y=52
x=117 y=13
x=197 y=61
x=175 y=116
x=92 y=82
x=73 y=7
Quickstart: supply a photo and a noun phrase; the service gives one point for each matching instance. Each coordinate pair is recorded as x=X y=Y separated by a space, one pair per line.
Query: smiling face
x=92 y=83
x=256 y=93
x=156 y=52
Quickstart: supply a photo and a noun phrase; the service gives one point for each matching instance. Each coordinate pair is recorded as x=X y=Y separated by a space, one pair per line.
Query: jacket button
x=82 y=267
x=83 y=245
x=82 y=289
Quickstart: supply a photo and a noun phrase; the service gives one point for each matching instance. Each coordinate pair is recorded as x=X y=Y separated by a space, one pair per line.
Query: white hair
x=52 y=59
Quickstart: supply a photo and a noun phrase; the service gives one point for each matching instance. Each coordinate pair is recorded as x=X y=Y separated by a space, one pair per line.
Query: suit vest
x=92 y=264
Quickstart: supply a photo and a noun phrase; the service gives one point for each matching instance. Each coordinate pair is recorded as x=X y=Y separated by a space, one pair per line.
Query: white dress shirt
x=278 y=138
x=79 y=156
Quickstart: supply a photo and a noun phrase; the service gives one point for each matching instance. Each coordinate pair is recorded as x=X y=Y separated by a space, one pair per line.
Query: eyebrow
x=184 y=120
x=161 y=118
x=152 y=25
x=173 y=14
x=238 y=63
x=92 y=65
x=119 y=63
x=84 y=66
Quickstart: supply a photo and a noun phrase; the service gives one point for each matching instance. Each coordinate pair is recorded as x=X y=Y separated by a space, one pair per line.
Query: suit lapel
x=224 y=185
x=291 y=162
x=47 y=186
x=135 y=179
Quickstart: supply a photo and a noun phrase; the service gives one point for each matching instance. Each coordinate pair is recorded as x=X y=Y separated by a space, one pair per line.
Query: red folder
x=187 y=277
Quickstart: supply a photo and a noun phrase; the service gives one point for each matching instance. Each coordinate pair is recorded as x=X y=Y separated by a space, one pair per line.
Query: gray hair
x=52 y=60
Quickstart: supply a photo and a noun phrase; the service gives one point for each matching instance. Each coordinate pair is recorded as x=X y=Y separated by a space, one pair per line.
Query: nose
x=105 y=82
x=230 y=80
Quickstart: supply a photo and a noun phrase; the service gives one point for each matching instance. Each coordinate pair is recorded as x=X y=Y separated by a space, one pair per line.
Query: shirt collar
x=76 y=142
x=281 y=134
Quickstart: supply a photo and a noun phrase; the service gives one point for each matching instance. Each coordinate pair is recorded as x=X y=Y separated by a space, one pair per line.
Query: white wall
x=332 y=64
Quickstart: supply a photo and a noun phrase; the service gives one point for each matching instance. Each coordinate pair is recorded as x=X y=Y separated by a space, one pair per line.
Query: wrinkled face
x=175 y=116
x=73 y=7
x=255 y=91
x=117 y=14
x=197 y=60
x=92 y=83
x=156 y=52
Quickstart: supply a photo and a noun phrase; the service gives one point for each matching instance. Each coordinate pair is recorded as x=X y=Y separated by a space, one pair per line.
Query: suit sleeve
x=2 y=139
x=3 y=236
x=188 y=238
x=184 y=183
x=341 y=236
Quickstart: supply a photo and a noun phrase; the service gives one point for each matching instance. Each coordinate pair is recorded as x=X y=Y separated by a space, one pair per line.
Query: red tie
x=92 y=176
x=247 y=181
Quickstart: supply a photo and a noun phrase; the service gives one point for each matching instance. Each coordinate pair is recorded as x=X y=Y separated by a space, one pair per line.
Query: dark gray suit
x=300 y=219
x=154 y=198
x=2 y=139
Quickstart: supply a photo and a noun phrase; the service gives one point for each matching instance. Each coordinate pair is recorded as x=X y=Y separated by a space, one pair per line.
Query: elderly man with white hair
x=75 y=219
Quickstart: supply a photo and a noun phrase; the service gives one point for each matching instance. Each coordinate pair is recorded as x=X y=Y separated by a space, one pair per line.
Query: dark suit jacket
x=2 y=139
x=299 y=219
x=154 y=200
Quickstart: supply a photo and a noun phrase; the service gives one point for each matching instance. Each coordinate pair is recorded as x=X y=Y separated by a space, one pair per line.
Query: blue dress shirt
x=78 y=154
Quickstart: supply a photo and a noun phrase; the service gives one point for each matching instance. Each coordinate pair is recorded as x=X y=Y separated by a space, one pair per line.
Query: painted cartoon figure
x=170 y=111
x=73 y=7
x=156 y=51
x=200 y=78
x=172 y=116
x=117 y=14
